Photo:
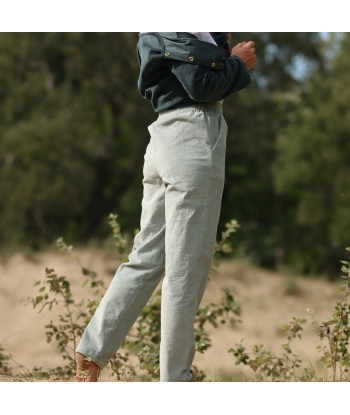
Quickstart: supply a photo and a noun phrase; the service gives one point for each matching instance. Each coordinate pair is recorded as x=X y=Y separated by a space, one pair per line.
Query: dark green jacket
x=178 y=70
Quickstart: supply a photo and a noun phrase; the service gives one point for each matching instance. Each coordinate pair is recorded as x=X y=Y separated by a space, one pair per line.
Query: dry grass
x=269 y=300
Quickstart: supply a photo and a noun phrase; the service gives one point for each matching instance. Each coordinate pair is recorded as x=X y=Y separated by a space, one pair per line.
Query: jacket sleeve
x=221 y=39
x=204 y=84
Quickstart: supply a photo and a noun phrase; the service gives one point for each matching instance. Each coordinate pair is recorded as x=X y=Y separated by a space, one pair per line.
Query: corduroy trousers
x=183 y=180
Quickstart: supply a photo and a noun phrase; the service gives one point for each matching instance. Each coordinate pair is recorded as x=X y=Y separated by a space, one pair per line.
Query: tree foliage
x=70 y=148
x=312 y=167
x=73 y=132
x=255 y=117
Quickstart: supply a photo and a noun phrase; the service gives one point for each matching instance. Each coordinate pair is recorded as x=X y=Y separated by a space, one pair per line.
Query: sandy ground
x=266 y=306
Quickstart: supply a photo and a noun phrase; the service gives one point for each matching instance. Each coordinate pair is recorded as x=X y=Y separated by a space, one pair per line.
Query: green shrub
x=335 y=354
x=143 y=340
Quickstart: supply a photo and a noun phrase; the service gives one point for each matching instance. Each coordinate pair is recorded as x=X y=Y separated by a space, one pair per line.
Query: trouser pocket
x=218 y=132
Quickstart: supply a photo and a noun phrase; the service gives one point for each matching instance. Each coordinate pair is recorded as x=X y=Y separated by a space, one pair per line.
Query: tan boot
x=87 y=370
x=193 y=378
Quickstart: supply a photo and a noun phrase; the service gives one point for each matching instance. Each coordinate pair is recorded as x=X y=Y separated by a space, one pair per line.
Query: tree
x=70 y=148
x=74 y=132
x=255 y=117
x=313 y=170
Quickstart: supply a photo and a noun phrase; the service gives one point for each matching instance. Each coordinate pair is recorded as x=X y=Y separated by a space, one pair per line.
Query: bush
x=335 y=354
x=143 y=340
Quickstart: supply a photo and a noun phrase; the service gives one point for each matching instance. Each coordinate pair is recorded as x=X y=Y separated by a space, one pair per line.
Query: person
x=186 y=76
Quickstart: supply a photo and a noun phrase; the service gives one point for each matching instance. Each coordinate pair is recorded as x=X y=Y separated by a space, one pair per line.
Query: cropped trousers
x=183 y=180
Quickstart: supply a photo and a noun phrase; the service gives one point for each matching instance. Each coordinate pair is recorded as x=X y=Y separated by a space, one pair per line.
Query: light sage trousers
x=183 y=179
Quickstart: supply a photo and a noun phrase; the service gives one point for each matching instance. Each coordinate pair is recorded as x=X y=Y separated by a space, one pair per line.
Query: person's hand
x=245 y=51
